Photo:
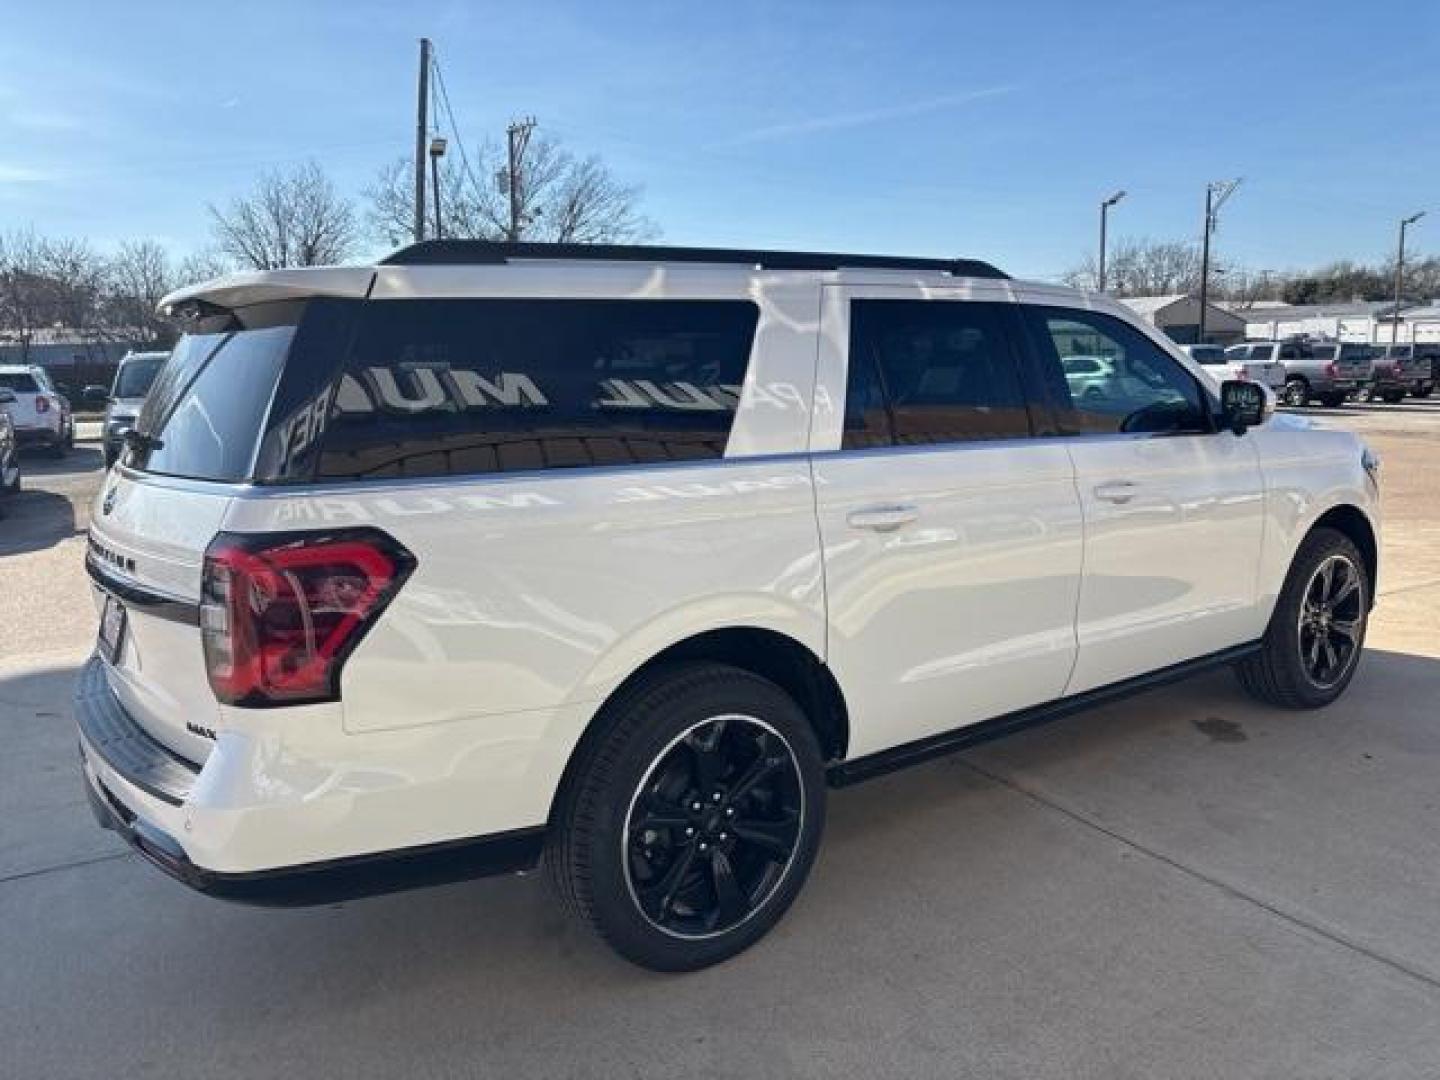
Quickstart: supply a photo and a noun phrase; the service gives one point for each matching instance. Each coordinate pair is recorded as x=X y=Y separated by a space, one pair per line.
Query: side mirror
x=1244 y=405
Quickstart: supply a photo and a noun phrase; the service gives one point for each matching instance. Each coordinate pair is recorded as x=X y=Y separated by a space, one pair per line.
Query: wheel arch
x=1353 y=523
x=772 y=655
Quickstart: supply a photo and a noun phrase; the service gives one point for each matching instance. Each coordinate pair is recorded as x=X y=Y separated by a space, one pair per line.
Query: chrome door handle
x=1116 y=491
x=882 y=518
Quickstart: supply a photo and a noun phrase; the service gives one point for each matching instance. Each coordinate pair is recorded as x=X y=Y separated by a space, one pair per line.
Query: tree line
x=298 y=217
x=1161 y=268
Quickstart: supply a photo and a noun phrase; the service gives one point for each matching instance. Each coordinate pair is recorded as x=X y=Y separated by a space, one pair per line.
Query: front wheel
x=1394 y=397
x=1333 y=401
x=1297 y=393
x=1312 y=645
x=692 y=817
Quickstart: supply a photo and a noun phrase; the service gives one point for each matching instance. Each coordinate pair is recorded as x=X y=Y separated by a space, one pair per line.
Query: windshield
x=21 y=381
x=135 y=376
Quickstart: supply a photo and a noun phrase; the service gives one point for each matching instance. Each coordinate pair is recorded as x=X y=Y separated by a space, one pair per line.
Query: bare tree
x=202 y=265
x=22 y=287
x=138 y=276
x=1144 y=268
x=561 y=198
x=289 y=219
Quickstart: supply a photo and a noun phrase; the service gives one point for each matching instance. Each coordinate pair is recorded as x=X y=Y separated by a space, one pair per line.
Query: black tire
x=1297 y=393
x=1281 y=673
x=1394 y=397
x=1333 y=401
x=654 y=742
x=1424 y=391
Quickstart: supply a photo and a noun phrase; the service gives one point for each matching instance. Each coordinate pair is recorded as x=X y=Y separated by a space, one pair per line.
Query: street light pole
x=1216 y=193
x=1104 y=211
x=422 y=102
x=1400 y=275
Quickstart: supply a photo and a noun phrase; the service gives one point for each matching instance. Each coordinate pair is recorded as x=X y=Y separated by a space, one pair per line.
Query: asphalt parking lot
x=1183 y=885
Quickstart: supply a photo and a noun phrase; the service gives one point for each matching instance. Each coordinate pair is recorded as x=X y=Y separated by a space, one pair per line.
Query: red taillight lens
x=280 y=613
x=1331 y=371
x=42 y=403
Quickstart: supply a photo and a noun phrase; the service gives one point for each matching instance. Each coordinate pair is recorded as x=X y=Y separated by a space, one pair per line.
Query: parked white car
x=41 y=415
x=619 y=556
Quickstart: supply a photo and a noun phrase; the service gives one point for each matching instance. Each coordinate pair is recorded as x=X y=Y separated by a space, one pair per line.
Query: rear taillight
x=279 y=613
x=42 y=403
x=1239 y=372
x=1331 y=371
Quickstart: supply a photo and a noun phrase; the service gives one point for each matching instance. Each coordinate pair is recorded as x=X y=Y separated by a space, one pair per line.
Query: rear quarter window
x=456 y=387
x=22 y=382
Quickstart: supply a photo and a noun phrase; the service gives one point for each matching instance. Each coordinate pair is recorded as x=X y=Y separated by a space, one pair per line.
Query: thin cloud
x=21 y=174
x=44 y=120
x=865 y=117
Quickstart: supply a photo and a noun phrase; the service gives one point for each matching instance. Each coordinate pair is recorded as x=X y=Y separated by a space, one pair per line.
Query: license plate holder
x=112 y=630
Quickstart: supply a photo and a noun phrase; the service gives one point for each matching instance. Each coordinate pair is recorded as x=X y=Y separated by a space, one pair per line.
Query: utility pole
x=422 y=118
x=518 y=136
x=1216 y=193
x=1400 y=276
x=1104 y=210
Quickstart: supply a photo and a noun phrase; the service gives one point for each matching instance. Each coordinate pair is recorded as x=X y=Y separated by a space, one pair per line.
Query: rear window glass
x=1208 y=355
x=20 y=381
x=442 y=387
x=1324 y=352
x=207 y=408
x=135 y=376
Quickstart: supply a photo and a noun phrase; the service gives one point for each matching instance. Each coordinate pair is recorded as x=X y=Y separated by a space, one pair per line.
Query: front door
x=1173 y=507
x=951 y=534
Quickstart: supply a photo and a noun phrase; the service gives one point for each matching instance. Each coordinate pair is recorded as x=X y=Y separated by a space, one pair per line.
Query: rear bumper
x=37 y=436
x=146 y=794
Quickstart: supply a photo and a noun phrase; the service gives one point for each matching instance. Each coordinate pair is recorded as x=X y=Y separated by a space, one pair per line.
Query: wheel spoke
x=1349 y=589
x=730 y=902
x=1347 y=628
x=761 y=768
x=1332 y=658
x=658 y=820
x=775 y=838
x=705 y=755
x=1326 y=576
x=658 y=895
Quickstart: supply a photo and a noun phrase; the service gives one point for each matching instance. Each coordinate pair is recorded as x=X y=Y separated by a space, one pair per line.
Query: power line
x=443 y=96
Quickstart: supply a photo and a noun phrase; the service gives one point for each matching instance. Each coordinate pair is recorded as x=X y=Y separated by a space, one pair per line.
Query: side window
x=1107 y=377
x=1288 y=352
x=932 y=371
x=442 y=387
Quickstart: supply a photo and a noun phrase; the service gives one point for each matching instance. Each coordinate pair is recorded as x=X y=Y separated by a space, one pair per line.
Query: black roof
x=453 y=252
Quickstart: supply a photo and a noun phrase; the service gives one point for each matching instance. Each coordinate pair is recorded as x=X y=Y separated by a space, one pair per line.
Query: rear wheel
x=1394 y=397
x=1424 y=391
x=1312 y=645
x=692 y=819
x=1297 y=393
x=1333 y=400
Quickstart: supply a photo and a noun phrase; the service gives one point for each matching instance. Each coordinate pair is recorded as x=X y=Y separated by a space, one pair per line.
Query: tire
x=1281 y=672
x=1394 y=397
x=1332 y=401
x=1297 y=393
x=1424 y=391
x=688 y=728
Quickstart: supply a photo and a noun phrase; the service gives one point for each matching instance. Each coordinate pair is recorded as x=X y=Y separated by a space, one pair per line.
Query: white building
x=1366 y=321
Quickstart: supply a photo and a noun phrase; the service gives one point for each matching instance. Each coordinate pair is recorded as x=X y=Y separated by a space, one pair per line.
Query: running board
x=845 y=773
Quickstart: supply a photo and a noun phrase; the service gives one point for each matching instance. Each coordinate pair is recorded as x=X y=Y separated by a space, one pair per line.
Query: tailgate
x=147 y=544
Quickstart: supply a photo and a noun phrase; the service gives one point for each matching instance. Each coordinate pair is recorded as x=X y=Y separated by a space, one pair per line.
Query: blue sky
x=988 y=129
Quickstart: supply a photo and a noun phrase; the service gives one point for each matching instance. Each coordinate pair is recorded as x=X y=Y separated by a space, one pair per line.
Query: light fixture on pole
x=1104 y=212
x=437 y=151
x=1405 y=223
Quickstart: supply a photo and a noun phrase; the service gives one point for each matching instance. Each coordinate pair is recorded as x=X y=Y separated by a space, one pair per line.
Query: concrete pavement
x=1182 y=885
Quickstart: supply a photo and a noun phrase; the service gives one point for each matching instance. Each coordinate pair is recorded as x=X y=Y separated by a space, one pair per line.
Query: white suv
x=619 y=556
x=41 y=415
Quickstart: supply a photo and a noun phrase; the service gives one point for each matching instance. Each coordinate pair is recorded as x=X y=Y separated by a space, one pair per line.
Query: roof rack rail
x=491 y=252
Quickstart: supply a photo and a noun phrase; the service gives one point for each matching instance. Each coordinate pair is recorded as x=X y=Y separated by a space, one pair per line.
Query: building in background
x=1366 y=321
x=1178 y=315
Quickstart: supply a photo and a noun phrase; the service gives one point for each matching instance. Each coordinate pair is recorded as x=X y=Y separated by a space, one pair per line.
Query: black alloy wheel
x=713 y=826
x=1332 y=617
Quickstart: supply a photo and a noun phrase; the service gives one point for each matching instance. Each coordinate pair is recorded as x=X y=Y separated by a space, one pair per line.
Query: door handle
x=882 y=518
x=1116 y=491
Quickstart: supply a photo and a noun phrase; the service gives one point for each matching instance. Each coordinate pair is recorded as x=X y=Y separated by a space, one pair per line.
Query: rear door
x=951 y=532
x=1172 y=507
x=27 y=389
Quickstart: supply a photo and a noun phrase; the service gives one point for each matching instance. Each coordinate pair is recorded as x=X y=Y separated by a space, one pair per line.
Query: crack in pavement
x=42 y=871
x=1425 y=978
